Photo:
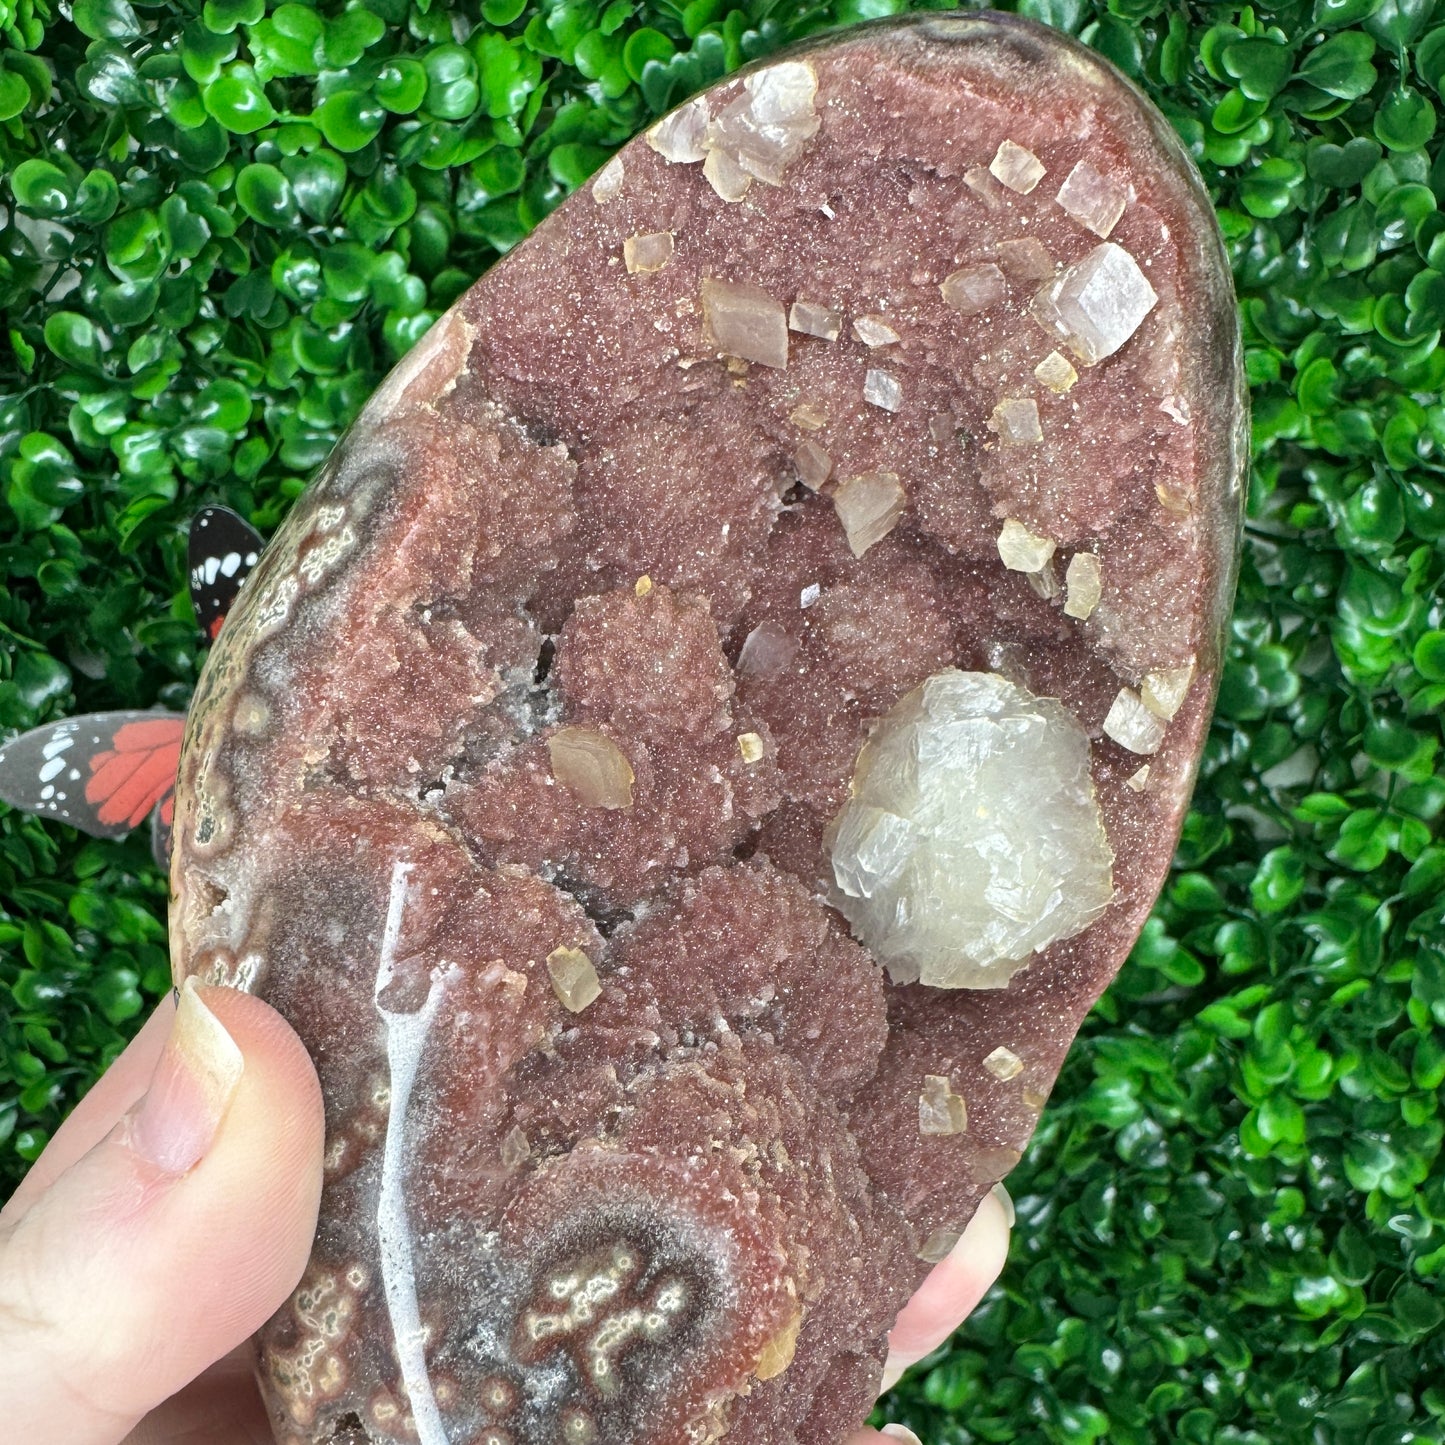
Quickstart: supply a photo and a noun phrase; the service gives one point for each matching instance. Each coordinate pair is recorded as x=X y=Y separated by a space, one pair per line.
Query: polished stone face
x=797 y=570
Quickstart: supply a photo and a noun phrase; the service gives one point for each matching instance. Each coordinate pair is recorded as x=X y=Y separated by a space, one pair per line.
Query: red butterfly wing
x=101 y=773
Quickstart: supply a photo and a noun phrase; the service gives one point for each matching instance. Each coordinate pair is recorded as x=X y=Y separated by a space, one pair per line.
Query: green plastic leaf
x=42 y=188
x=349 y=119
x=1342 y=167
x=453 y=92
x=73 y=338
x=237 y=101
x=1406 y=120
x=318 y=181
x=105 y=19
x=644 y=46
x=350 y=35
x=266 y=196
x=223 y=16
x=401 y=85
x=1341 y=65
x=1331 y=14
x=1397 y=23
x=1260 y=66
x=14 y=94
x=96 y=198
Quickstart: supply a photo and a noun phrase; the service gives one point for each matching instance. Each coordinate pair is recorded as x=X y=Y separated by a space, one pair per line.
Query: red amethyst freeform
x=698 y=749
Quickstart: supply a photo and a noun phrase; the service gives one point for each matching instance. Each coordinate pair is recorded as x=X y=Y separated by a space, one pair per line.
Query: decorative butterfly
x=105 y=772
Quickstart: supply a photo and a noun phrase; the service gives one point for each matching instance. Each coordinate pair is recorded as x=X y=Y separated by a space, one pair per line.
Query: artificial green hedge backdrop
x=223 y=221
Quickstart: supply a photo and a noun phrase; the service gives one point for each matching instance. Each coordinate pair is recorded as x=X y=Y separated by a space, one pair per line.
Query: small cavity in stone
x=1016 y=167
x=813 y=319
x=869 y=506
x=1022 y=550
x=972 y=837
x=940 y=1110
x=882 y=390
x=1094 y=200
x=742 y=320
x=1097 y=304
x=591 y=767
x=649 y=252
x=974 y=288
x=1132 y=725
x=1084 y=581
x=574 y=980
x=874 y=331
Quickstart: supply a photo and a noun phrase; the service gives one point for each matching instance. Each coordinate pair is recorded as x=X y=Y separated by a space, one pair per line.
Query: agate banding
x=798 y=569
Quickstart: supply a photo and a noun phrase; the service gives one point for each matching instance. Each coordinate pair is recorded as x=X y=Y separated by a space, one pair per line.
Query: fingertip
x=173 y=1239
x=953 y=1288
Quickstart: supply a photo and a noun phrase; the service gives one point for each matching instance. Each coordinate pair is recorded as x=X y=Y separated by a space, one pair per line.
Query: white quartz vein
x=405 y=1035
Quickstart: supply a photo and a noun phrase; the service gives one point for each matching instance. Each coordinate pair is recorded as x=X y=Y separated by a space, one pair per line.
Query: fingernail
x=1002 y=1195
x=901 y=1432
x=191 y=1090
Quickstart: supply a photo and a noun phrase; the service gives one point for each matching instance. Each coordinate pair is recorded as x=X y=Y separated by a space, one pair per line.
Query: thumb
x=173 y=1238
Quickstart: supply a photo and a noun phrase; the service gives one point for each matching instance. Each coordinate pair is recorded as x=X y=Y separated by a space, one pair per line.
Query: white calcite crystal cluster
x=756 y=137
x=972 y=838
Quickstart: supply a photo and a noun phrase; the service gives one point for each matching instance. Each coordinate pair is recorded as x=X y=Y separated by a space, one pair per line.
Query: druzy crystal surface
x=972 y=837
x=517 y=776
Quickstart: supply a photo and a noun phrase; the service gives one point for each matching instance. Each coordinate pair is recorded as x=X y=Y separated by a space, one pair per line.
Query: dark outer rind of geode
x=611 y=1225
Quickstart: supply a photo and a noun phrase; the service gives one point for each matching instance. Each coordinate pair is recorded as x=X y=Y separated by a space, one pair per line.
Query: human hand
x=173 y=1213
x=170 y=1216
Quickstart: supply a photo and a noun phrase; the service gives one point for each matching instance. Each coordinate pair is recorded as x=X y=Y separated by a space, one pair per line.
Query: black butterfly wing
x=103 y=773
x=223 y=549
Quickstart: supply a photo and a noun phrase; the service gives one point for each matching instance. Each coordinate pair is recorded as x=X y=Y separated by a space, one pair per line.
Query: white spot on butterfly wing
x=58 y=745
x=230 y=563
x=50 y=769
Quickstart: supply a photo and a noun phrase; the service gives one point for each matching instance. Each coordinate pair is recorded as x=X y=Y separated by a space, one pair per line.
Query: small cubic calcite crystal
x=744 y=321
x=1021 y=550
x=1097 y=304
x=663 y=767
x=940 y=1110
x=814 y=320
x=974 y=288
x=869 y=506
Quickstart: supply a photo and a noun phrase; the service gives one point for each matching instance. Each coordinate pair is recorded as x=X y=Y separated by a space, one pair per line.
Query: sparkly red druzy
x=507 y=781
